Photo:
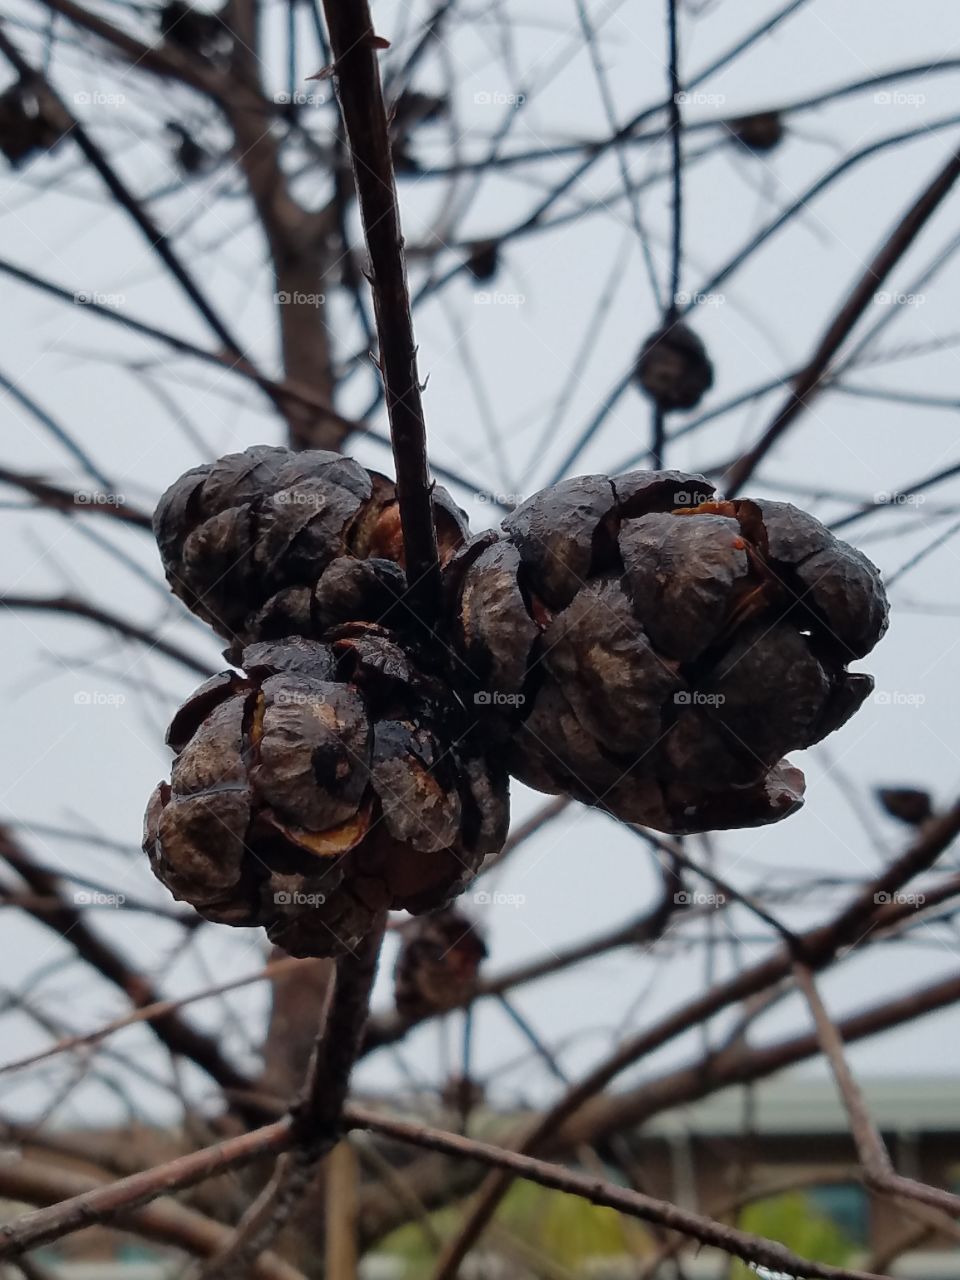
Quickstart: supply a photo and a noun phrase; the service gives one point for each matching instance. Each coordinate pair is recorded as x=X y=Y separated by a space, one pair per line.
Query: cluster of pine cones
x=632 y=641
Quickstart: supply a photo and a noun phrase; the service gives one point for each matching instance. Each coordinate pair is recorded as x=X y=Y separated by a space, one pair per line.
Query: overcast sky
x=84 y=717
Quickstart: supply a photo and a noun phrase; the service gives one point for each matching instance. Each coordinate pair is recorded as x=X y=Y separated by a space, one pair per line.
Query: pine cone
x=644 y=648
x=438 y=963
x=325 y=785
x=674 y=369
x=270 y=543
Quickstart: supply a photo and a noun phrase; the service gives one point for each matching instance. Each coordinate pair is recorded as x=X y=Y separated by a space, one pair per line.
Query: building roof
x=792 y=1104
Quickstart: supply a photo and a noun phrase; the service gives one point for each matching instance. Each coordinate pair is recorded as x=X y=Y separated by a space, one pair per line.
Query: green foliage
x=560 y=1228
x=797 y=1223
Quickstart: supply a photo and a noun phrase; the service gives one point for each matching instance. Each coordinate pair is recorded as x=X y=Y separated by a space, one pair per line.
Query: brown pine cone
x=673 y=368
x=645 y=648
x=438 y=963
x=325 y=785
x=270 y=543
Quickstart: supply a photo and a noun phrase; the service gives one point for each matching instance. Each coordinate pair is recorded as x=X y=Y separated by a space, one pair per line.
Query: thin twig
x=357 y=73
x=810 y=379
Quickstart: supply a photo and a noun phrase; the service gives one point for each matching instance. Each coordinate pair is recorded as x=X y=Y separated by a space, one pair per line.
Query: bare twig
x=355 y=45
x=809 y=380
x=316 y=1119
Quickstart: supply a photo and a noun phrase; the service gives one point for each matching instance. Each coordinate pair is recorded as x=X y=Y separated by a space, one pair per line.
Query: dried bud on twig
x=760 y=132
x=438 y=963
x=908 y=804
x=673 y=368
x=327 y=783
x=25 y=125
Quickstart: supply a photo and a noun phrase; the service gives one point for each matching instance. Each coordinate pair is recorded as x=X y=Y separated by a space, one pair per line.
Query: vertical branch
x=354 y=47
x=316 y=1118
x=670 y=316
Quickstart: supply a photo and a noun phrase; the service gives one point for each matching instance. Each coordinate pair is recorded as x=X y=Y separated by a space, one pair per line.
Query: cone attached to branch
x=644 y=647
x=324 y=785
x=270 y=543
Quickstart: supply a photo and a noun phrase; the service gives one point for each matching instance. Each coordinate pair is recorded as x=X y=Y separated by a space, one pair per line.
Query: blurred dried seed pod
x=484 y=260
x=762 y=131
x=673 y=368
x=250 y=541
x=323 y=786
x=908 y=804
x=197 y=31
x=649 y=649
x=438 y=963
x=26 y=125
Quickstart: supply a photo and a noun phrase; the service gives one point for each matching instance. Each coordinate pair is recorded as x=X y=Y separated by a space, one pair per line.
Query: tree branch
x=357 y=75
